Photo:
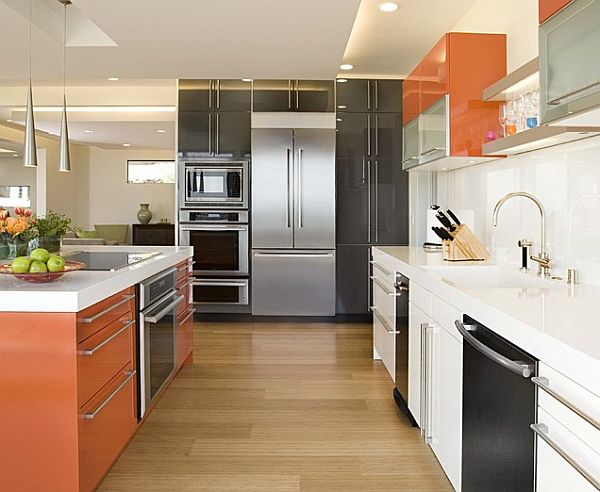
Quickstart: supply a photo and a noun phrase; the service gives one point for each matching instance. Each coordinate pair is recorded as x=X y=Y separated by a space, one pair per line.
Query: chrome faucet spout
x=543 y=255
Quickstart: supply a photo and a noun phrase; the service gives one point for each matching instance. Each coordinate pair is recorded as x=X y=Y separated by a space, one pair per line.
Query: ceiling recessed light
x=88 y=131
x=246 y=80
x=160 y=130
x=15 y=155
x=346 y=66
x=113 y=79
x=126 y=145
x=341 y=81
x=388 y=7
x=338 y=119
x=342 y=107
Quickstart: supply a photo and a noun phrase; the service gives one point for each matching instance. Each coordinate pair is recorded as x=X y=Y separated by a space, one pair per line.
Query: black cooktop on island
x=109 y=261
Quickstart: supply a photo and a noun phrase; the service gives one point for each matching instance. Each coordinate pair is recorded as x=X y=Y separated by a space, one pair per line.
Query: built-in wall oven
x=221 y=258
x=213 y=183
x=157 y=317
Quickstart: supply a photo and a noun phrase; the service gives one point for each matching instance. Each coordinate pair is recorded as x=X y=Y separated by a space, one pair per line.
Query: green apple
x=56 y=264
x=40 y=254
x=20 y=264
x=38 y=267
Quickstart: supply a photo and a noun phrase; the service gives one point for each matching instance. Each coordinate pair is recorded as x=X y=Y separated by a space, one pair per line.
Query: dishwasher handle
x=518 y=367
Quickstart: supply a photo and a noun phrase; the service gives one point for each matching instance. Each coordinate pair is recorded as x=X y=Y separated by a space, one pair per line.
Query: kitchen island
x=69 y=368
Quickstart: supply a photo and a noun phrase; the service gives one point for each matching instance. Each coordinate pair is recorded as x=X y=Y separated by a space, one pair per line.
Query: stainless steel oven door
x=217 y=186
x=219 y=249
x=228 y=291
x=158 y=357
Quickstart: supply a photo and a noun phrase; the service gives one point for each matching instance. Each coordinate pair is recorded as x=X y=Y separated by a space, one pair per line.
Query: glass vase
x=17 y=247
x=50 y=243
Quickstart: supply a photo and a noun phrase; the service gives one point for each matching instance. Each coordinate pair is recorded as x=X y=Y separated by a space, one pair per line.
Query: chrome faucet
x=542 y=259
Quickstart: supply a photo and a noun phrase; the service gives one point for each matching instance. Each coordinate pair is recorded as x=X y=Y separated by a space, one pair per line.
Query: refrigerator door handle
x=288 y=222
x=294 y=255
x=518 y=367
x=300 y=153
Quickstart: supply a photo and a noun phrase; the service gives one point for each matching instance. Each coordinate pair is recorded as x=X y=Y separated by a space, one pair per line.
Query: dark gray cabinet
x=194 y=132
x=352 y=279
x=372 y=135
x=352 y=136
x=389 y=209
x=232 y=134
x=293 y=95
x=352 y=201
x=386 y=136
x=359 y=95
x=195 y=95
x=215 y=95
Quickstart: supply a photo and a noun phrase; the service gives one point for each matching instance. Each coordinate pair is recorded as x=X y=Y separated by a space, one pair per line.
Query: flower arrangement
x=50 y=230
x=16 y=232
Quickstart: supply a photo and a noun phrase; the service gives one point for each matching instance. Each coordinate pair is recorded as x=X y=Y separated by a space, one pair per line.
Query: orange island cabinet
x=68 y=391
x=460 y=66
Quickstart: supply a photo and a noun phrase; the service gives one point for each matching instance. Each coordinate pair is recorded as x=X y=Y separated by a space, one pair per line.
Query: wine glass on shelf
x=502 y=111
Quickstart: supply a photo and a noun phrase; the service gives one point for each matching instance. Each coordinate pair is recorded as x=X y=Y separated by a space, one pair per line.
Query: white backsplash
x=567 y=181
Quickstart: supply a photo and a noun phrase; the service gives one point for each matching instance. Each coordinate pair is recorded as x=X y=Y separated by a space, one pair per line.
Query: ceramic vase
x=144 y=214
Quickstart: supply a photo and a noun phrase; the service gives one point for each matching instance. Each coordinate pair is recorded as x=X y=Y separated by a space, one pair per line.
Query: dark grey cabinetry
x=352 y=279
x=359 y=95
x=294 y=95
x=372 y=189
x=214 y=118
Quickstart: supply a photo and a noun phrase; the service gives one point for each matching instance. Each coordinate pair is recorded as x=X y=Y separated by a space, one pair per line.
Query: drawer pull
x=94 y=414
x=544 y=384
x=128 y=323
x=185 y=284
x=184 y=267
x=383 y=287
x=378 y=266
x=190 y=313
x=384 y=322
x=541 y=431
x=99 y=315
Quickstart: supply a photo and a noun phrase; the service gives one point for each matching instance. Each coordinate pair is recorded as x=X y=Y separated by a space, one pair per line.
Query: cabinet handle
x=190 y=313
x=429 y=383
x=189 y=281
x=210 y=132
x=368 y=94
x=289 y=94
x=558 y=99
x=185 y=267
x=376 y=200
x=430 y=151
x=384 y=322
x=376 y=134
x=544 y=384
x=376 y=95
x=156 y=317
x=218 y=136
x=383 y=287
x=210 y=91
x=541 y=430
x=219 y=94
x=369 y=135
x=94 y=414
x=423 y=387
x=364 y=178
x=297 y=95
x=369 y=200
x=378 y=266
x=99 y=315
x=87 y=352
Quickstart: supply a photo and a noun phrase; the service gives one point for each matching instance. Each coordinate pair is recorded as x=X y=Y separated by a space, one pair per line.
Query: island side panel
x=38 y=402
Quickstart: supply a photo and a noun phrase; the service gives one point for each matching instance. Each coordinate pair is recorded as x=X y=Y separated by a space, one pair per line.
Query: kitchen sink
x=491 y=277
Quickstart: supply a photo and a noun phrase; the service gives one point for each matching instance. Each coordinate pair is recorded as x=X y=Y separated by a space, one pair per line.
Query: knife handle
x=453 y=217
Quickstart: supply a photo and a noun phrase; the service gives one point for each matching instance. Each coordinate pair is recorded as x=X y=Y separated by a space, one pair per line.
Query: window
x=15 y=196
x=150 y=172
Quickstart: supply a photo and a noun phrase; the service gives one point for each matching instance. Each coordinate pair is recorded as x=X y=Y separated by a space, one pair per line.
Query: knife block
x=464 y=247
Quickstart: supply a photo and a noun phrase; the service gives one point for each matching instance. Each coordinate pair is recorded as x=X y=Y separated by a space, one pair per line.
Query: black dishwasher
x=499 y=405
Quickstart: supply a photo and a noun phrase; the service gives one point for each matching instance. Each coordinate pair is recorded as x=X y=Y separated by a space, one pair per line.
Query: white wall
x=12 y=173
x=110 y=200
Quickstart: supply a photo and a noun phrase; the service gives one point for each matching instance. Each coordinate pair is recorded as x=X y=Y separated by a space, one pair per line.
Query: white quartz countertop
x=78 y=290
x=558 y=325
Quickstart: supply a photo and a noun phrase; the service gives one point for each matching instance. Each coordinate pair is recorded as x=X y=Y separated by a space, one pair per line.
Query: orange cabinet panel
x=96 y=317
x=185 y=335
x=105 y=426
x=549 y=7
x=184 y=288
x=434 y=74
x=411 y=95
x=184 y=269
x=103 y=355
x=475 y=62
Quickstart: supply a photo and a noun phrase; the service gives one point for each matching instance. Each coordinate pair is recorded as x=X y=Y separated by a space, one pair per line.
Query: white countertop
x=559 y=325
x=77 y=290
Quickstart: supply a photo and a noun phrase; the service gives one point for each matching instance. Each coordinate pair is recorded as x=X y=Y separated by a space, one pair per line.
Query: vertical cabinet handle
x=210 y=91
x=218 y=94
x=429 y=385
x=368 y=94
x=300 y=153
x=423 y=387
x=368 y=201
x=376 y=134
x=287 y=202
x=218 y=136
x=369 y=135
x=210 y=132
x=376 y=201
x=376 y=95
x=297 y=95
x=289 y=94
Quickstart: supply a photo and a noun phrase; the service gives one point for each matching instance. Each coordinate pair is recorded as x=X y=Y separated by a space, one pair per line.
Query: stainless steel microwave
x=213 y=183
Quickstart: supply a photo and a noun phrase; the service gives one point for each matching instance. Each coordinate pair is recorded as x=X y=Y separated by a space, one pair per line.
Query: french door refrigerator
x=293 y=222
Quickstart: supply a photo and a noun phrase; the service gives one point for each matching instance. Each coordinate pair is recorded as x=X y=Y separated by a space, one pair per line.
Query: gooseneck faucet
x=542 y=258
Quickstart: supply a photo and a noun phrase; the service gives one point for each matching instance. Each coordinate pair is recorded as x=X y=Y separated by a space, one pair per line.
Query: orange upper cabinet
x=549 y=7
x=411 y=95
x=453 y=120
x=434 y=74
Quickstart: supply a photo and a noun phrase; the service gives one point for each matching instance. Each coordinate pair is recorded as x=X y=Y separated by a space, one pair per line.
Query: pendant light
x=30 y=150
x=65 y=157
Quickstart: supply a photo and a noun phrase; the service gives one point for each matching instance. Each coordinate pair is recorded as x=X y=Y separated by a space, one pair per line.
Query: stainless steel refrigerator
x=293 y=222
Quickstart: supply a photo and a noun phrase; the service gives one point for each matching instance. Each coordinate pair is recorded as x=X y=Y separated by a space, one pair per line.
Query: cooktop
x=109 y=261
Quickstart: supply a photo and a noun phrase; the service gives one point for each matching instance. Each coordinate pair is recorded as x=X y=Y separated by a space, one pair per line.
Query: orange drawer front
x=96 y=317
x=105 y=427
x=185 y=335
x=102 y=356
x=184 y=288
x=184 y=269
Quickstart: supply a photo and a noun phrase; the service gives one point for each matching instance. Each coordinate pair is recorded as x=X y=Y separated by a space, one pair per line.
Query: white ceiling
x=391 y=44
x=149 y=44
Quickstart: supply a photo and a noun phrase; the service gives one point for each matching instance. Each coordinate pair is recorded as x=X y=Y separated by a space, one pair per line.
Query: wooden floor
x=281 y=408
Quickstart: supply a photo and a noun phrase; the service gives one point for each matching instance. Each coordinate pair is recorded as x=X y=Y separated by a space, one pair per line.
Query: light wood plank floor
x=278 y=407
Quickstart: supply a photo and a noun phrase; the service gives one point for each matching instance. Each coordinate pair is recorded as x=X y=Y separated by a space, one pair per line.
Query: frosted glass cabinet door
x=569 y=62
x=410 y=144
x=433 y=131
